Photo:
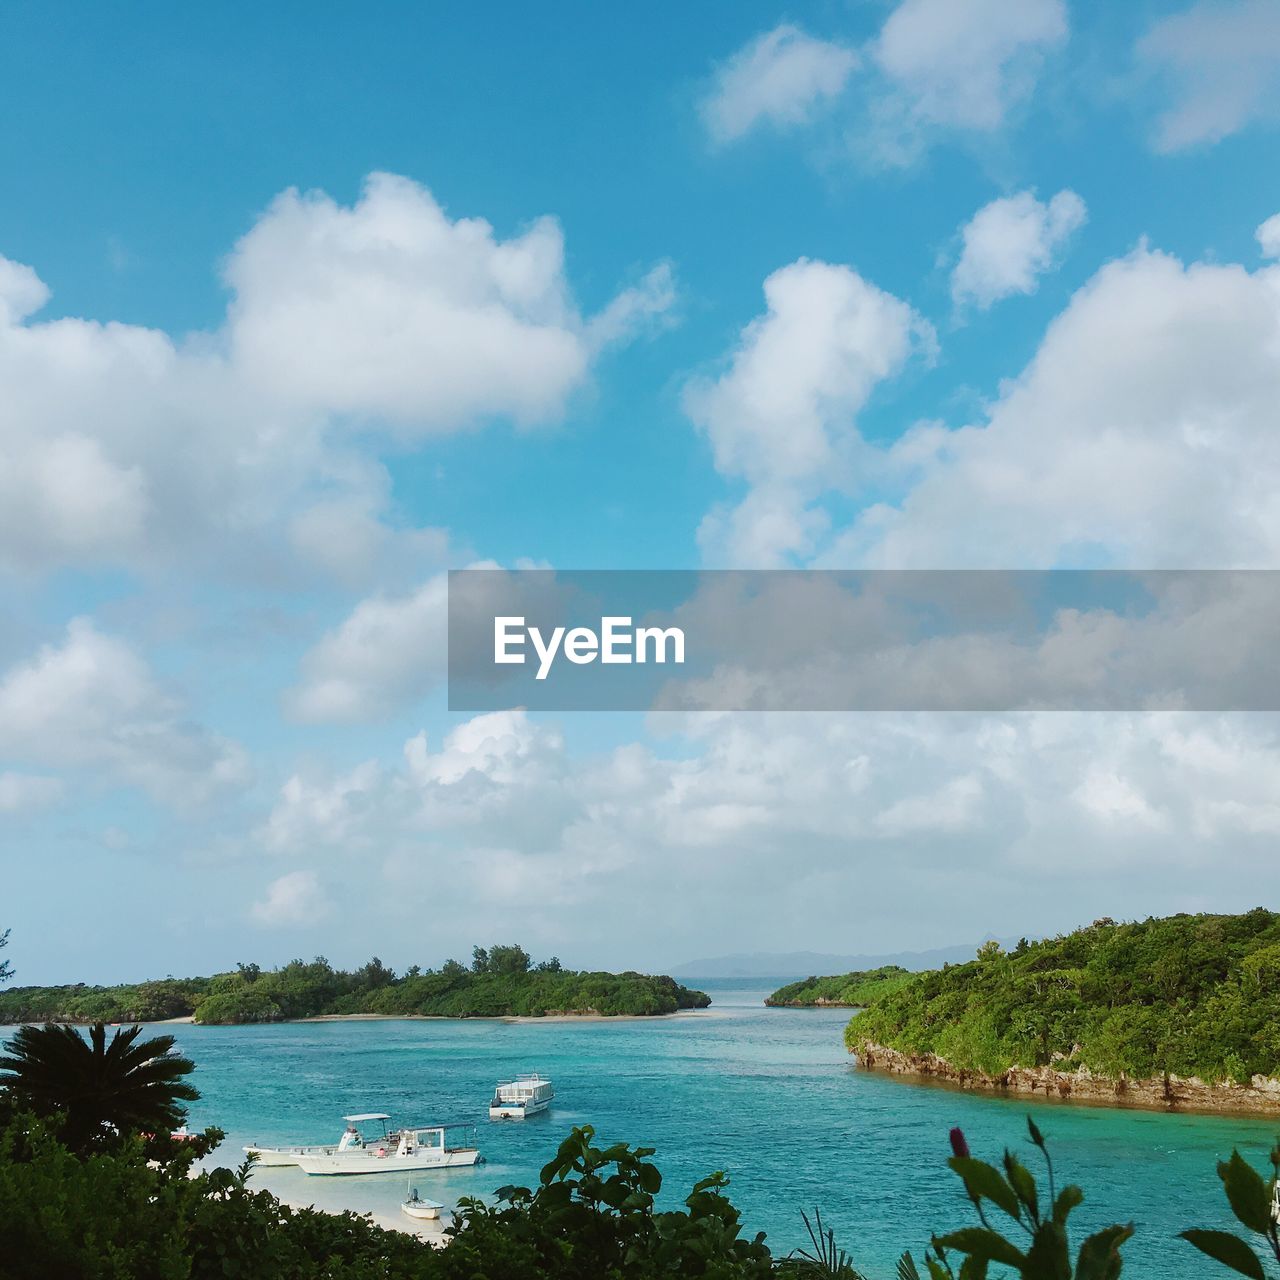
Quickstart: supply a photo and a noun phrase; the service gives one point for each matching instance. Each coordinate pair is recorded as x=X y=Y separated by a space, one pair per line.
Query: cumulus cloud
x=951 y=65
x=936 y=68
x=385 y=313
x=782 y=417
x=388 y=652
x=1009 y=243
x=966 y=62
x=943 y=825
x=492 y=775
x=1141 y=434
x=389 y=309
x=92 y=702
x=294 y=899
x=1221 y=64
x=782 y=77
x=1269 y=237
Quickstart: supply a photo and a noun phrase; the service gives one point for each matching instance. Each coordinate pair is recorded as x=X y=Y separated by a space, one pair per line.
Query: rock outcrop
x=1165 y=1093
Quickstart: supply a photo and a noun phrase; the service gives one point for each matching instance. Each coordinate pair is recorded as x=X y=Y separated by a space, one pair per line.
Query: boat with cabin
x=413 y=1148
x=352 y=1136
x=521 y=1097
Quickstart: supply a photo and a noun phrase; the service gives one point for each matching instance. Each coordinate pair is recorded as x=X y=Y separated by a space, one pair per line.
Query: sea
x=768 y=1096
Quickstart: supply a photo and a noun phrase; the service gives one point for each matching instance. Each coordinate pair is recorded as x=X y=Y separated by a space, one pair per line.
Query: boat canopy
x=373 y=1115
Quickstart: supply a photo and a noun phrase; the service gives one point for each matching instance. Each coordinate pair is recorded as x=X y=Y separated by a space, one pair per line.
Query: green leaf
x=1099 y=1257
x=1023 y=1184
x=981 y=1179
x=1070 y=1197
x=1036 y=1136
x=973 y=1269
x=1247 y=1193
x=907 y=1268
x=1230 y=1250
x=978 y=1242
x=1047 y=1258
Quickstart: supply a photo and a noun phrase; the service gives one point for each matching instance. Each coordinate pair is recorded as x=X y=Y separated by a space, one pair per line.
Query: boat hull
x=355 y=1163
x=509 y=1111
x=423 y=1212
x=274 y=1157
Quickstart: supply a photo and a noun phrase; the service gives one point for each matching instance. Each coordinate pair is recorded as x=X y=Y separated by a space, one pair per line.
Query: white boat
x=523 y=1096
x=422 y=1210
x=351 y=1137
x=413 y=1148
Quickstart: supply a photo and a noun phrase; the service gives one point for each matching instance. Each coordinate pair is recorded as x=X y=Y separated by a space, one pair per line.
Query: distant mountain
x=802 y=964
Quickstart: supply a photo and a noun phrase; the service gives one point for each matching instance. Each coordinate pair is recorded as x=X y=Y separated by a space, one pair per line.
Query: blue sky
x=1019 y=313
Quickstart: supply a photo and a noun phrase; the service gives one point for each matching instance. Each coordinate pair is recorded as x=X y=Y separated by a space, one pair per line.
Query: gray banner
x=875 y=640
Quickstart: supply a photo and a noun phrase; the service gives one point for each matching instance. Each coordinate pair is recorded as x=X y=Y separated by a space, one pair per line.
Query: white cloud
x=332 y=811
x=91 y=702
x=953 y=807
x=385 y=655
x=1141 y=434
x=643 y=305
x=1029 y=821
x=1114 y=799
x=386 y=313
x=1221 y=62
x=782 y=77
x=1269 y=237
x=28 y=792
x=1010 y=243
x=294 y=899
x=498 y=778
x=388 y=309
x=958 y=65
x=782 y=417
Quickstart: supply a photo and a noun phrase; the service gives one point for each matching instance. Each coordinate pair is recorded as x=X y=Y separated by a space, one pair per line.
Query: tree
x=101 y=1090
x=373 y=975
x=510 y=959
x=6 y=969
x=479 y=960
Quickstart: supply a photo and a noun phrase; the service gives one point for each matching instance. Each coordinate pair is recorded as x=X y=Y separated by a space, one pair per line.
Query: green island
x=843 y=990
x=1177 y=1011
x=501 y=981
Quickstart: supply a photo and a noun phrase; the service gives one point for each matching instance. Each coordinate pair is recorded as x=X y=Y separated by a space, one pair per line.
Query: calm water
x=767 y=1095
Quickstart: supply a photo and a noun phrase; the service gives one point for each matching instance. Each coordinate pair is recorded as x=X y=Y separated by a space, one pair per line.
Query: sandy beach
x=432 y=1232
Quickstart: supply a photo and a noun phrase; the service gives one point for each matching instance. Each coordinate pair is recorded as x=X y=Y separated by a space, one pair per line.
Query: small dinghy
x=422 y=1210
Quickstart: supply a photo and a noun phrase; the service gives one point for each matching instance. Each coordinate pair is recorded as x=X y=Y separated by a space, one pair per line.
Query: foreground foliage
x=1041 y=1247
x=132 y=1211
x=1191 y=995
x=500 y=981
x=98 y=1088
x=852 y=990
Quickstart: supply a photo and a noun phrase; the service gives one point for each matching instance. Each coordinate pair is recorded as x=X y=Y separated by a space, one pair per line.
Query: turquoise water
x=768 y=1095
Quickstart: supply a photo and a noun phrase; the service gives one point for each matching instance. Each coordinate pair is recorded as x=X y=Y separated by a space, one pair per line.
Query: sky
x=299 y=310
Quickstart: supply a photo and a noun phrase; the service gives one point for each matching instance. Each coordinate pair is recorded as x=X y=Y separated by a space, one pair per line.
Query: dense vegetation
x=850 y=990
x=500 y=981
x=1191 y=995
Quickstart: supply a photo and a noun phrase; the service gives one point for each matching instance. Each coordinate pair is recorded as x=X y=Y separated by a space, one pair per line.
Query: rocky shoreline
x=1163 y=1093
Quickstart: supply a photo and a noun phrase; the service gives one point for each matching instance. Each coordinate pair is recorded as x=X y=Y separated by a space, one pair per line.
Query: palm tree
x=101 y=1089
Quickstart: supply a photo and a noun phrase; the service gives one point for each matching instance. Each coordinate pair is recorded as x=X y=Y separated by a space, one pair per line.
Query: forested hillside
x=500 y=981
x=849 y=990
x=1190 y=995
